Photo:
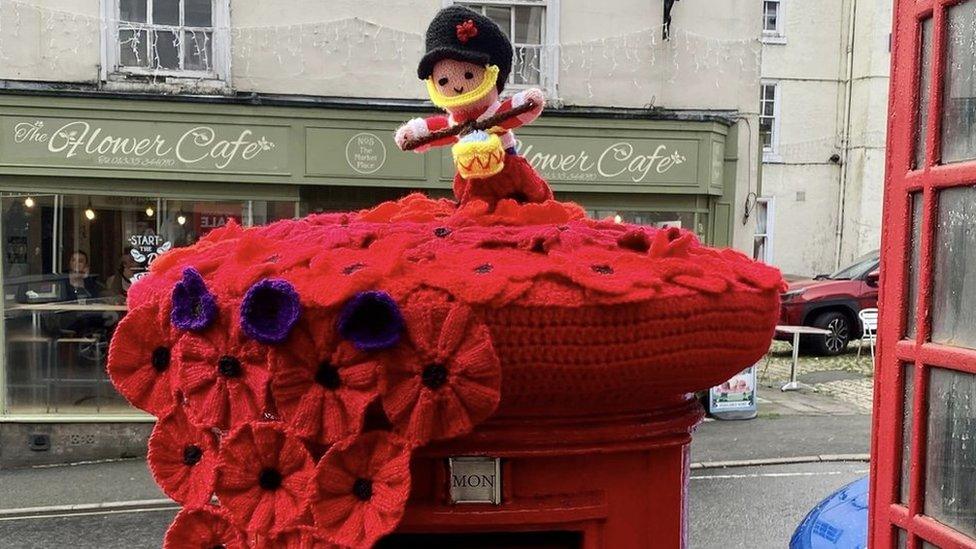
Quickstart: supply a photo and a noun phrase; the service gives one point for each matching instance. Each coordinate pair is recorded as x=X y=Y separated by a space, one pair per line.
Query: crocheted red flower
x=182 y=459
x=361 y=488
x=297 y=538
x=140 y=360
x=263 y=475
x=348 y=269
x=223 y=374
x=447 y=378
x=466 y=31
x=203 y=528
x=320 y=383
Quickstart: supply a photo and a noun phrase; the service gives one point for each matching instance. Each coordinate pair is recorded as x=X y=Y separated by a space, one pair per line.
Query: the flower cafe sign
x=138 y=145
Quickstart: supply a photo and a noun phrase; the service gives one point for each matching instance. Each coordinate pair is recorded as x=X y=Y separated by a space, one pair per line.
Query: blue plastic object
x=838 y=522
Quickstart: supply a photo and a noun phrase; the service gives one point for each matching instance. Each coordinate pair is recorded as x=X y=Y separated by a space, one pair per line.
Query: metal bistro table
x=35 y=310
x=797 y=331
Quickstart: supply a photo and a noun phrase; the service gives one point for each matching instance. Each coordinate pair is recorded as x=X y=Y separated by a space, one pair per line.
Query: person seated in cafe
x=118 y=283
x=80 y=284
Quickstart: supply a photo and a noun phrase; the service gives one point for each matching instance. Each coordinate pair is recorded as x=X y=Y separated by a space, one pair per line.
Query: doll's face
x=453 y=77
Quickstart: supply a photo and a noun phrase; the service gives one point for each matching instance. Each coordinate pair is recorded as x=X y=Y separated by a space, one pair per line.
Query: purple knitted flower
x=269 y=310
x=194 y=307
x=371 y=321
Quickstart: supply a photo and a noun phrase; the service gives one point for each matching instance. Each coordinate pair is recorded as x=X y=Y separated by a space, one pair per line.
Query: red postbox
x=496 y=372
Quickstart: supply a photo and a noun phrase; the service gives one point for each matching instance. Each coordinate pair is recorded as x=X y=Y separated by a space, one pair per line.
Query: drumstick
x=470 y=126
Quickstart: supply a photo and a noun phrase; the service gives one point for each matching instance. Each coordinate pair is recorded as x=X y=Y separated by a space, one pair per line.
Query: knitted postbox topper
x=295 y=368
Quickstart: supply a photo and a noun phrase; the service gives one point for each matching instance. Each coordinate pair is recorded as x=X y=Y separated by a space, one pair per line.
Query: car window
x=862 y=266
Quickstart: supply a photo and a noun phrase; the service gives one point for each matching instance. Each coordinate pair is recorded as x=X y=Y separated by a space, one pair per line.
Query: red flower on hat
x=182 y=459
x=447 y=378
x=140 y=359
x=202 y=528
x=263 y=474
x=223 y=374
x=361 y=488
x=321 y=383
x=466 y=31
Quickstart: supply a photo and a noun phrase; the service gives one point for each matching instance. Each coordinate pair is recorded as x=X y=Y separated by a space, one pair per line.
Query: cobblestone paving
x=844 y=377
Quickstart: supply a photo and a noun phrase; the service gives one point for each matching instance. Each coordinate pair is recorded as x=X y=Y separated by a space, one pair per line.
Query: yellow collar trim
x=445 y=102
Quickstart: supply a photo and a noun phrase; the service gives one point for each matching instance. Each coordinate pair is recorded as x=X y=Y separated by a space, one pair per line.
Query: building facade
x=130 y=127
x=823 y=104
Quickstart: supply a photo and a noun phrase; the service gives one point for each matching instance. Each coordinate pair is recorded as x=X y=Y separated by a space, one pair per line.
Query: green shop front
x=93 y=189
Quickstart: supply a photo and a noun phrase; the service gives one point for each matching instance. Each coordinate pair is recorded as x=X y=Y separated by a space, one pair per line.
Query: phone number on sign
x=137 y=162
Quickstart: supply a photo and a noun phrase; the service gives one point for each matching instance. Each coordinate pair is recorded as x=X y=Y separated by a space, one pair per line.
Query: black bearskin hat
x=463 y=34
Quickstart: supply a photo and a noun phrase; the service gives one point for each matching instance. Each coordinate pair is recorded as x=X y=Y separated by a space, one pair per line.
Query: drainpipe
x=846 y=144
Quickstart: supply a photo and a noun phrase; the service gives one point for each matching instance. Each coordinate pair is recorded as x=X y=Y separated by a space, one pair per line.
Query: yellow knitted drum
x=479 y=155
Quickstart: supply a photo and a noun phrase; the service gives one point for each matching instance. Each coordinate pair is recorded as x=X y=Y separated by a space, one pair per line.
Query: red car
x=832 y=302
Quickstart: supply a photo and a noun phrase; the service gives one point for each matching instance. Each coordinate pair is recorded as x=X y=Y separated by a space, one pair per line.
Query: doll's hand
x=414 y=129
x=536 y=97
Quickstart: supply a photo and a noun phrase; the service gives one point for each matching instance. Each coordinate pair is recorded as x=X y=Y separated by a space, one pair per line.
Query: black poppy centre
x=327 y=376
x=362 y=489
x=269 y=478
x=229 y=366
x=160 y=359
x=192 y=454
x=434 y=376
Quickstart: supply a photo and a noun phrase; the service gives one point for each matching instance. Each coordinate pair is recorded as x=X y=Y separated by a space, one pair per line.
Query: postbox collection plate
x=475 y=479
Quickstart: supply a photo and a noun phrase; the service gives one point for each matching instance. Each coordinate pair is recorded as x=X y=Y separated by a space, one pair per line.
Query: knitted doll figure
x=467 y=62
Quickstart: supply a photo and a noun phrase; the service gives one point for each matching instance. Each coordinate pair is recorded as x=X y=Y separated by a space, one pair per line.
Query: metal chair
x=869 y=329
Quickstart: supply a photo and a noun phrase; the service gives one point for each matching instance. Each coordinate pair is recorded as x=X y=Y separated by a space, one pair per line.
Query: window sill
x=772 y=158
x=775 y=39
x=164 y=83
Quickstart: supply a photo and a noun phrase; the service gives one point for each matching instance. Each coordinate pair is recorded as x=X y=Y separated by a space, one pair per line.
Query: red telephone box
x=923 y=474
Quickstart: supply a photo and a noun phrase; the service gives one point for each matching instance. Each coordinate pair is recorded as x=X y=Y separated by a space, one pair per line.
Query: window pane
x=64 y=295
x=959 y=106
x=502 y=17
x=908 y=371
x=902 y=539
x=770 y=16
x=132 y=10
x=133 y=48
x=185 y=222
x=166 y=12
x=196 y=13
x=951 y=456
x=766 y=133
x=167 y=52
x=528 y=24
x=526 y=67
x=954 y=276
x=924 y=81
x=911 y=293
x=197 y=50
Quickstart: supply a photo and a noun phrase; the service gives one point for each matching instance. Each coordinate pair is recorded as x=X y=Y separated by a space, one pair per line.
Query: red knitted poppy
x=297 y=538
x=262 y=477
x=145 y=373
x=182 y=459
x=202 y=528
x=223 y=375
x=447 y=378
x=320 y=383
x=361 y=488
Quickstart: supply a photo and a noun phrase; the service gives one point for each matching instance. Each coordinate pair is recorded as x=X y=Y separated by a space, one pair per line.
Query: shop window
x=954 y=276
x=529 y=24
x=959 y=103
x=924 y=92
x=168 y=37
x=68 y=263
x=773 y=21
x=762 y=241
x=951 y=455
x=769 y=121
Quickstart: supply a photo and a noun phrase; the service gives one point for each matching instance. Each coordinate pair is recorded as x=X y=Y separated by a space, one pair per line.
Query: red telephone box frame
x=902 y=181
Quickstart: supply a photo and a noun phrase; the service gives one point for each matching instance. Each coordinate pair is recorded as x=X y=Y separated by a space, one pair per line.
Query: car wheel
x=834 y=343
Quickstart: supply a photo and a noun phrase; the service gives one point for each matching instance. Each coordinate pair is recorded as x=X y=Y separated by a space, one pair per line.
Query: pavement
x=751 y=482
